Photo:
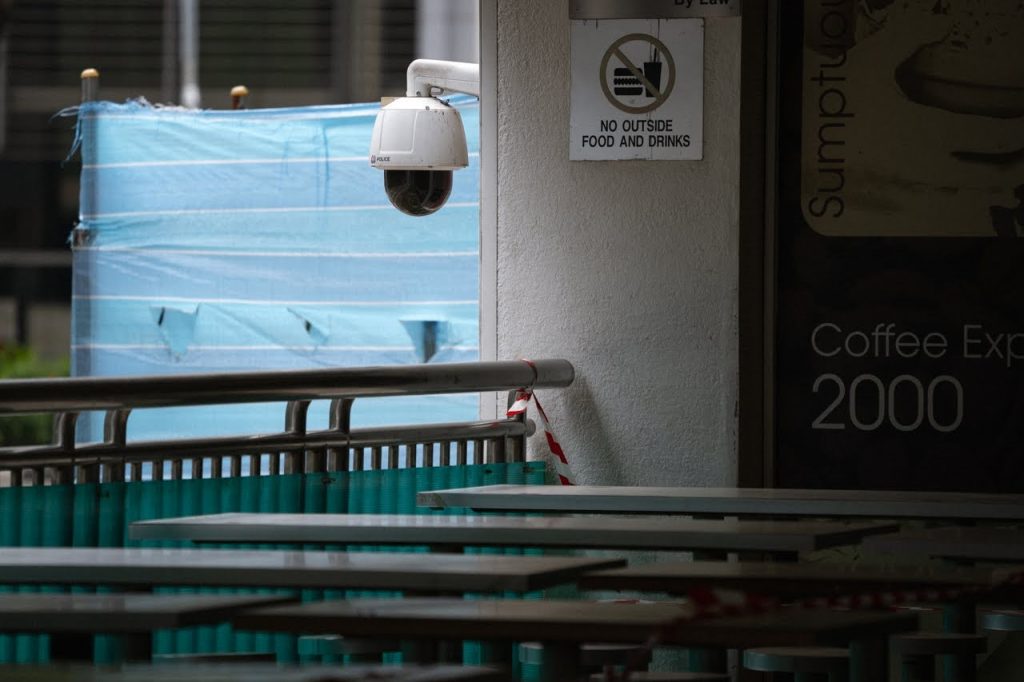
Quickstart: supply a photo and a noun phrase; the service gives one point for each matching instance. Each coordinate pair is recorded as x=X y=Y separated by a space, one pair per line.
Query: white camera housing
x=418 y=133
x=418 y=140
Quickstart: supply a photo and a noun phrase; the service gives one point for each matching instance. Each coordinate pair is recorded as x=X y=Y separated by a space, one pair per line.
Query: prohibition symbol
x=652 y=80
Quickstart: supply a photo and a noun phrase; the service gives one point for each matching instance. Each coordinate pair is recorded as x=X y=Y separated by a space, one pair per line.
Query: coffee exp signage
x=900 y=342
x=922 y=405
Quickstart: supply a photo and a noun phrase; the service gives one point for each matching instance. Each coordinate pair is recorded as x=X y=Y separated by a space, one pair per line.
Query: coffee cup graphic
x=976 y=67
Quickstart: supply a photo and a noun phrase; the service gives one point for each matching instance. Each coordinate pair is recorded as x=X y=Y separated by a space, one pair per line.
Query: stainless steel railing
x=293 y=449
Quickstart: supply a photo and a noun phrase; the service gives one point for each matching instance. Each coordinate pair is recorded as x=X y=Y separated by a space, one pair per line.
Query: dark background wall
x=291 y=53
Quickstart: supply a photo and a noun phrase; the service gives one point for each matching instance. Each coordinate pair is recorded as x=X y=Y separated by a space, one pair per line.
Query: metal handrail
x=295 y=447
x=110 y=393
x=155 y=450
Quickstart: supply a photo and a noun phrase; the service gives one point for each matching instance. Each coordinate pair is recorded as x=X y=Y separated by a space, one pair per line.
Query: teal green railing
x=98 y=515
x=87 y=495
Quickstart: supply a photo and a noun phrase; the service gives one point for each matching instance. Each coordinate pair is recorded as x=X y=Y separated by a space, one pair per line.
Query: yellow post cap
x=90 y=73
x=239 y=91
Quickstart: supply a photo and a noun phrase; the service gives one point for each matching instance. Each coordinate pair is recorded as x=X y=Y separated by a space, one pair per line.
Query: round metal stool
x=593 y=656
x=806 y=663
x=917 y=652
x=1003 y=621
x=669 y=677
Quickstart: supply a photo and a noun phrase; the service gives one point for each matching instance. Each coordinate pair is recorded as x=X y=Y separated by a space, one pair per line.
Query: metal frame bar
x=108 y=393
x=757 y=246
x=294 y=449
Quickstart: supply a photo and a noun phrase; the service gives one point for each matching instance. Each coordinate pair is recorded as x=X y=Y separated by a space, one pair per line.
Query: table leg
x=449 y=651
x=442 y=651
x=917 y=668
x=561 y=662
x=79 y=646
x=869 y=660
x=432 y=651
x=960 y=617
x=445 y=548
x=708 y=660
x=419 y=651
x=133 y=647
x=497 y=653
x=960 y=668
x=71 y=646
x=703 y=660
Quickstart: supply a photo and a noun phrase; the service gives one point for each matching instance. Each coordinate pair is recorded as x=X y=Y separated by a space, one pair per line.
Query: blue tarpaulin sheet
x=258 y=240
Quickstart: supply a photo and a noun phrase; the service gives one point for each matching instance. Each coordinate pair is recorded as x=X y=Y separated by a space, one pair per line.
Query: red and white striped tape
x=710 y=602
x=717 y=602
x=561 y=462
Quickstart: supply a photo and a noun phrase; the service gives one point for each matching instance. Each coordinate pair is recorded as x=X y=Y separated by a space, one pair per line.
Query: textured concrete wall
x=626 y=268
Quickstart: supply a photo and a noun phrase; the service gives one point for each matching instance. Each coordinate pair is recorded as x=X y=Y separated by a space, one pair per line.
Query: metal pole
x=105 y=393
x=169 y=55
x=90 y=85
x=188 y=52
x=238 y=95
x=220 y=446
x=340 y=422
x=5 y=42
x=295 y=424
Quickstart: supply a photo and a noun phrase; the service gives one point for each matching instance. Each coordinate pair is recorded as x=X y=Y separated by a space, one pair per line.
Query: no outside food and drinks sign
x=637 y=89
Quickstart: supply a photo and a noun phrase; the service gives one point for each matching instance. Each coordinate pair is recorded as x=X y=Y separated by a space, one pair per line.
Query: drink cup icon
x=626 y=84
x=652 y=72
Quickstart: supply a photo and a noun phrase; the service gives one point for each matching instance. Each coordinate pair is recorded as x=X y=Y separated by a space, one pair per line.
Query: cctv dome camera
x=418 y=192
x=418 y=142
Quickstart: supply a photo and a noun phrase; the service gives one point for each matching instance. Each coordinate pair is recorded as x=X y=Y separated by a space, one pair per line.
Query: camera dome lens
x=418 y=192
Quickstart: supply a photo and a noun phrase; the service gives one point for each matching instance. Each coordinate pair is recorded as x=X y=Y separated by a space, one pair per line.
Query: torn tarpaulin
x=262 y=239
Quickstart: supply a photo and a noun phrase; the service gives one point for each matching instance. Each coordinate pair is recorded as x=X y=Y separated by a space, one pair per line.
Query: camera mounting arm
x=425 y=75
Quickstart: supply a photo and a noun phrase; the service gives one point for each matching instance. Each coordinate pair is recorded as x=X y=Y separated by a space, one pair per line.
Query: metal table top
x=578 y=531
x=966 y=543
x=120 y=613
x=563 y=625
x=451 y=573
x=234 y=672
x=881 y=504
x=552 y=620
x=790 y=580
